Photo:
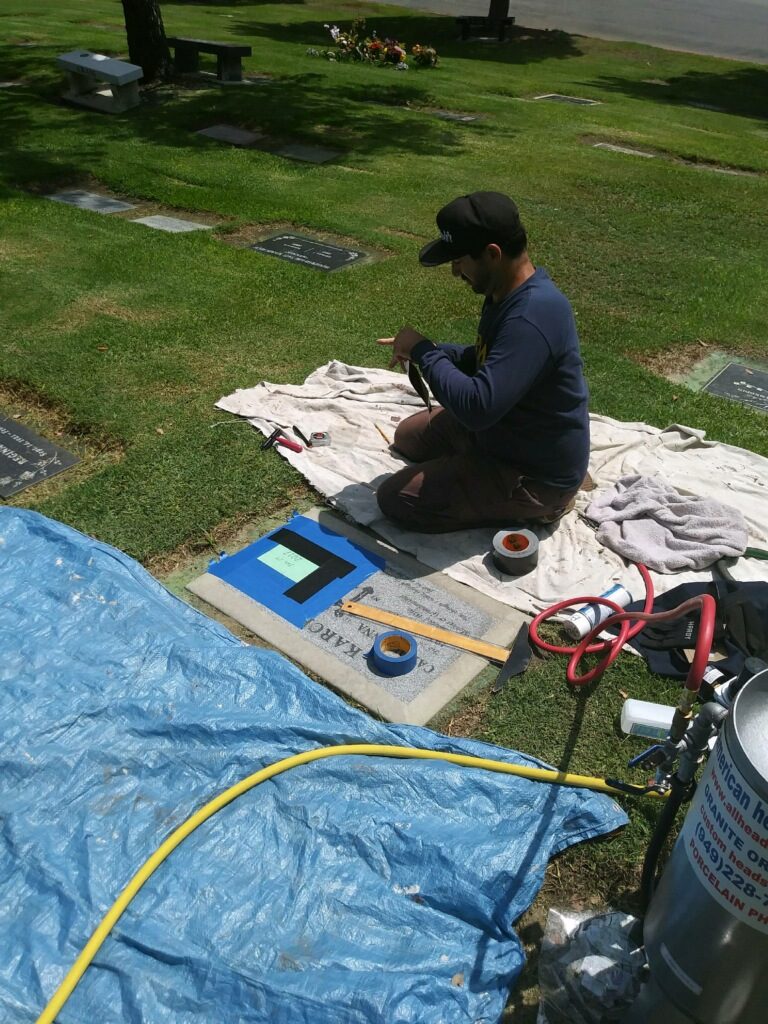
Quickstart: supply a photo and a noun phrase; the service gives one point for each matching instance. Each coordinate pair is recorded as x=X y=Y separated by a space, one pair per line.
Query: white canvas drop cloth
x=349 y=401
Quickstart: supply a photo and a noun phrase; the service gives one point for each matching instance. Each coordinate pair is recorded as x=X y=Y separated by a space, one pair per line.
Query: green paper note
x=288 y=563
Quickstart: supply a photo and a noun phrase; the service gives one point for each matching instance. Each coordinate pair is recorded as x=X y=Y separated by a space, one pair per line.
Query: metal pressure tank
x=706 y=931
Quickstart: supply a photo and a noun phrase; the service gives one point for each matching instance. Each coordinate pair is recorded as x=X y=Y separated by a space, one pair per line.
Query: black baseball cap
x=469 y=223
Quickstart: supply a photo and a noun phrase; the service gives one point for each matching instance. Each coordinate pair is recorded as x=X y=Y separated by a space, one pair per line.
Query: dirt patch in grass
x=469 y=719
x=20 y=402
x=678 y=362
x=86 y=308
x=11 y=251
x=669 y=362
x=404 y=234
x=228 y=534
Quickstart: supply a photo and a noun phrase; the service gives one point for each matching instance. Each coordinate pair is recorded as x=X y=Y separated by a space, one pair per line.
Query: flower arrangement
x=355 y=45
x=424 y=56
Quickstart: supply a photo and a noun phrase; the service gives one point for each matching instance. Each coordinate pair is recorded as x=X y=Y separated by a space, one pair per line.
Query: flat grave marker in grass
x=456 y=115
x=558 y=97
x=309 y=252
x=231 y=134
x=90 y=201
x=740 y=384
x=738 y=172
x=27 y=459
x=679 y=161
x=173 y=224
x=627 y=150
x=308 y=152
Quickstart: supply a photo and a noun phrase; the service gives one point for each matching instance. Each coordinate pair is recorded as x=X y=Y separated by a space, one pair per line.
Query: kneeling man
x=509 y=443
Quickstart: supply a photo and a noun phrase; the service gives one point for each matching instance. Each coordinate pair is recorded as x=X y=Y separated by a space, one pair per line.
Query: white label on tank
x=725 y=836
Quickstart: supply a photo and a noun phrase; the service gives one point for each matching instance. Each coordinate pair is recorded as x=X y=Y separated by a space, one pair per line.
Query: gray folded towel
x=645 y=519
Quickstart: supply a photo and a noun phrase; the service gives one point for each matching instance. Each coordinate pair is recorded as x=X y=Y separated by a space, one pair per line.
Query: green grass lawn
x=125 y=337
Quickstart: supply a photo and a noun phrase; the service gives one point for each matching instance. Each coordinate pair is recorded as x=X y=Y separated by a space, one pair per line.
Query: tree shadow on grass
x=525 y=46
x=307 y=108
x=27 y=113
x=743 y=91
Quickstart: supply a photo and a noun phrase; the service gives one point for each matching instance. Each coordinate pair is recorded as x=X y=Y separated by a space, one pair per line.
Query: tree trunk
x=498 y=10
x=146 y=38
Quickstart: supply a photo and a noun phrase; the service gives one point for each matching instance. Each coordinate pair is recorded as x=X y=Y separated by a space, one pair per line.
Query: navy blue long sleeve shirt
x=520 y=389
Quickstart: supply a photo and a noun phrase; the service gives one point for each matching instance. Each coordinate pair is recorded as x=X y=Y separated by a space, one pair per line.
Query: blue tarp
x=349 y=891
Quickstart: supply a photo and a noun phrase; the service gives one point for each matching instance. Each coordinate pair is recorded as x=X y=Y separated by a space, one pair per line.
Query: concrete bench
x=100 y=82
x=494 y=24
x=229 y=57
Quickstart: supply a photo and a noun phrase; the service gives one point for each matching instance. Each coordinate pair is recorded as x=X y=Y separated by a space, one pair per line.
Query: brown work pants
x=453 y=485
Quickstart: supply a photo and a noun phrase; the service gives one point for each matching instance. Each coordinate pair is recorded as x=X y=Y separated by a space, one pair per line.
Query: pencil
x=382 y=433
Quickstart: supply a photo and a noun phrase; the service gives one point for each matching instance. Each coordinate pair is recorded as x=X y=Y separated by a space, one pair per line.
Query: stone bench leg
x=229 y=68
x=80 y=85
x=124 y=97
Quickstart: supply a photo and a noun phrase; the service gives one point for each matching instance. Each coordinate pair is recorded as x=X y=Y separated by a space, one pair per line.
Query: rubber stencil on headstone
x=335 y=645
x=173 y=224
x=90 y=201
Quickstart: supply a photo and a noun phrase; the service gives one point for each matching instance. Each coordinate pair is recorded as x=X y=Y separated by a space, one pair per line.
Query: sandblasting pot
x=706 y=931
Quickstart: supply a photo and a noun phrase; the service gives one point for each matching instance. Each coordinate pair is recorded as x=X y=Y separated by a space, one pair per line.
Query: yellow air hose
x=110 y=919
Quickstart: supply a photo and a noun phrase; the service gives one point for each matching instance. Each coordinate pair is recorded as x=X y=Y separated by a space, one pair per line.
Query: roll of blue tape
x=394 y=653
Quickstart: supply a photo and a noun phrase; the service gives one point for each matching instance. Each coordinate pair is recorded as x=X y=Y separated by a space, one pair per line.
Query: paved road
x=726 y=28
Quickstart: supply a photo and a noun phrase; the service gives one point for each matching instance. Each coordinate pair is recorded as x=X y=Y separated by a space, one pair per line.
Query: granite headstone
x=309 y=252
x=26 y=458
x=741 y=384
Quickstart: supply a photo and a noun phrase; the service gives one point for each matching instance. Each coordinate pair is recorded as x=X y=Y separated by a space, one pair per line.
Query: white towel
x=645 y=519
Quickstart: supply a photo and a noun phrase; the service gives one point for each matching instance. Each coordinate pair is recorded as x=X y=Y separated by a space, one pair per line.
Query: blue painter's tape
x=394 y=653
x=255 y=571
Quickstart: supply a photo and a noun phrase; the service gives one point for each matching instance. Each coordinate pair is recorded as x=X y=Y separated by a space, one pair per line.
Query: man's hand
x=402 y=344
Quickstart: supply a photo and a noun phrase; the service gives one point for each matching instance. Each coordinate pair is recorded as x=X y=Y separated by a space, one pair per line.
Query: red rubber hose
x=612 y=647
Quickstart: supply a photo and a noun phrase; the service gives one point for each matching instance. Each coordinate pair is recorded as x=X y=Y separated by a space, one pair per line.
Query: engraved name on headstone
x=26 y=458
x=310 y=252
x=741 y=384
